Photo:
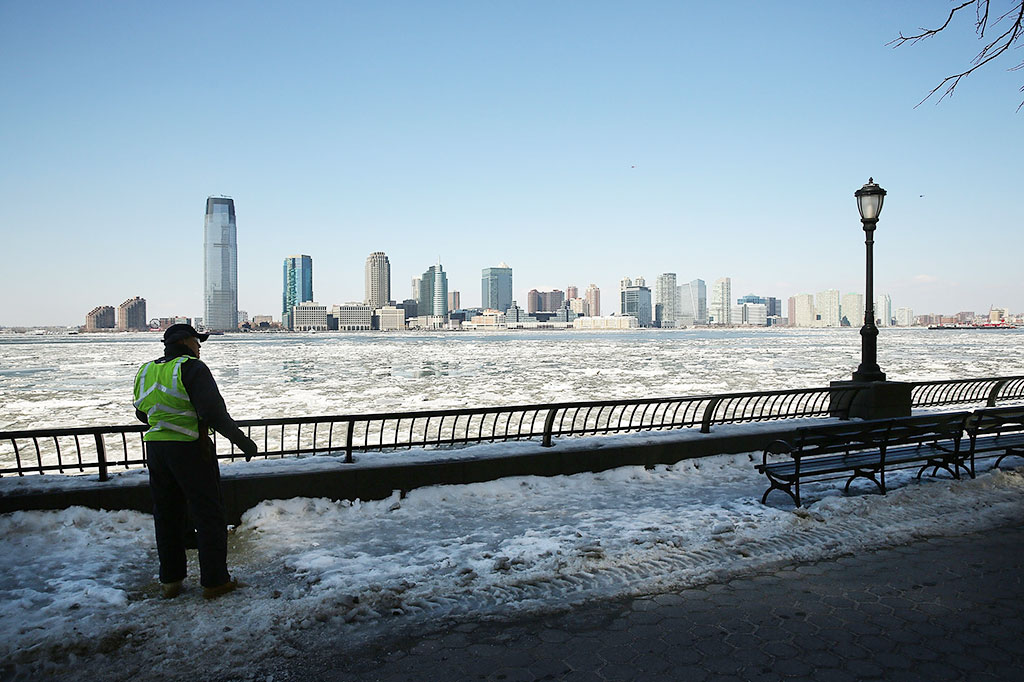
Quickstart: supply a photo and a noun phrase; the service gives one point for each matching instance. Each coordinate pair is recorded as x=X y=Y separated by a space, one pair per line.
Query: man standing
x=179 y=400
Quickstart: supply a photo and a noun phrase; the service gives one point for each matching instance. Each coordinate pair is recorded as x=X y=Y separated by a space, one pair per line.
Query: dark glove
x=249 y=448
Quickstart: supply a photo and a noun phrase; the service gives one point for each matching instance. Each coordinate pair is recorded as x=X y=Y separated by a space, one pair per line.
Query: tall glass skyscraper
x=693 y=303
x=496 y=288
x=220 y=265
x=298 y=285
x=433 y=294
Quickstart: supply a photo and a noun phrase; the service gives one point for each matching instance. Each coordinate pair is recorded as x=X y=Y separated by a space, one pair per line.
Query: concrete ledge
x=369 y=479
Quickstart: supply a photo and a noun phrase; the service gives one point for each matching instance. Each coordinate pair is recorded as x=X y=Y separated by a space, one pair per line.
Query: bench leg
x=784 y=486
x=1007 y=453
x=870 y=475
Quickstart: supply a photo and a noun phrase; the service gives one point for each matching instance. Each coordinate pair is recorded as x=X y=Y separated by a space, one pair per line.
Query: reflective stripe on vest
x=160 y=393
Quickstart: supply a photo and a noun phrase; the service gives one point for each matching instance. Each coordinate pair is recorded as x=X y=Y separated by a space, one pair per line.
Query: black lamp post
x=869 y=203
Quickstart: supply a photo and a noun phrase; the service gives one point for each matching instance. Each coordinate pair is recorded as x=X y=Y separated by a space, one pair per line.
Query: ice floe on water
x=80 y=597
x=87 y=379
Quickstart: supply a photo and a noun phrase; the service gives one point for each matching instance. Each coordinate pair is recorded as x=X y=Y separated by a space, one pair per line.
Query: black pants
x=183 y=477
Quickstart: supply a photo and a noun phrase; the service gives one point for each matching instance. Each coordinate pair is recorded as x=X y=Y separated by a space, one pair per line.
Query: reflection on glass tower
x=220 y=266
x=496 y=288
x=298 y=285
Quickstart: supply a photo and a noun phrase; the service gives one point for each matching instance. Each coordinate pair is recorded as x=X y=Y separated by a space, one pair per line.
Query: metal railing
x=87 y=449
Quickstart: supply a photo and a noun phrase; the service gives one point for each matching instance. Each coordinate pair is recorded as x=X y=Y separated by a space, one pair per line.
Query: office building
x=100 y=318
x=635 y=300
x=750 y=314
x=720 y=303
x=852 y=309
x=544 y=301
x=571 y=292
x=454 y=300
x=593 y=299
x=883 y=310
x=309 y=316
x=297 y=287
x=904 y=317
x=220 y=265
x=433 y=292
x=390 y=318
x=353 y=317
x=666 y=295
x=496 y=287
x=693 y=303
x=826 y=305
x=802 y=312
x=377 y=275
x=131 y=315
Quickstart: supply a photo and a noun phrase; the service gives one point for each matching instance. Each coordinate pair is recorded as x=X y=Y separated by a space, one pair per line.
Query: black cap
x=177 y=332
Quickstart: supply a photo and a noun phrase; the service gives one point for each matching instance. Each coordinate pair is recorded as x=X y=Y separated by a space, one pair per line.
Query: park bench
x=864 y=449
x=997 y=429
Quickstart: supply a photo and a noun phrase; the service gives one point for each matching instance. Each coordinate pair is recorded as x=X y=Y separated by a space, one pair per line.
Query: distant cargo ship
x=987 y=325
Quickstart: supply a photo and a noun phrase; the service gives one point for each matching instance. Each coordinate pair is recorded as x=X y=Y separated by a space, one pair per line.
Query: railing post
x=101 y=456
x=994 y=393
x=549 y=425
x=348 y=441
x=709 y=413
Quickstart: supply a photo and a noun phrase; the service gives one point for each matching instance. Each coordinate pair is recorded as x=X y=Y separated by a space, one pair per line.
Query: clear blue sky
x=486 y=132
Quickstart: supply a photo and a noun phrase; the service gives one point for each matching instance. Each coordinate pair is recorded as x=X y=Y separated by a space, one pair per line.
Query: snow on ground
x=80 y=598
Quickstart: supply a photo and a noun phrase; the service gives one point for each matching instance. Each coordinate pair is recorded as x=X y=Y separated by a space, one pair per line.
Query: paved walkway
x=937 y=609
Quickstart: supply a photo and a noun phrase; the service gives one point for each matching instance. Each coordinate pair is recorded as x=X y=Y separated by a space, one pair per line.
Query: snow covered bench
x=999 y=429
x=864 y=450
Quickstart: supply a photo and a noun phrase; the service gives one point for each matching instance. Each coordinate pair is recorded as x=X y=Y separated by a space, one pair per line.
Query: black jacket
x=205 y=397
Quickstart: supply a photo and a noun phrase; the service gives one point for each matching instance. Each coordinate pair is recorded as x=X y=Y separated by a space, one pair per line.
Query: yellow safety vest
x=160 y=393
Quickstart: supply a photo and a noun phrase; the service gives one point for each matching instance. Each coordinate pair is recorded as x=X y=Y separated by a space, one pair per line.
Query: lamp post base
x=869 y=399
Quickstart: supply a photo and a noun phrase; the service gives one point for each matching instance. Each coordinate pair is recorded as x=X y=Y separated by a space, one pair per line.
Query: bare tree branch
x=991 y=50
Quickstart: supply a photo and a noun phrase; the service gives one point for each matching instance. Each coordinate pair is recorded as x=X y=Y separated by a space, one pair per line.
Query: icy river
x=87 y=379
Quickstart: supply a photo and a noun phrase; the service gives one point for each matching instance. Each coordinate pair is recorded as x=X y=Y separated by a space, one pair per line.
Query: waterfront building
x=693 y=303
x=904 y=317
x=416 y=288
x=578 y=305
x=391 y=318
x=883 y=310
x=487 y=320
x=515 y=314
x=827 y=308
x=609 y=322
x=532 y=301
x=410 y=307
x=802 y=313
x=544 y=301
x=353 y=317
x=666 y=296
x=454 y=300
x=593 y=299
x=431 y=322
x=433 y=293
x=571 y=292
x=297 y=286
x=262 y=321
x=852 y=309
x=750 y=314
x=720 y=303
x=131 y=315
x=377 y=276
x=100 y=318
x=220 y=265
x=496 y=287
x=635 y=300
x=996 y=314
x=309 y=316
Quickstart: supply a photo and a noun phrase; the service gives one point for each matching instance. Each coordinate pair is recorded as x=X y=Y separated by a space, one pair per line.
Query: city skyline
x=602 y=140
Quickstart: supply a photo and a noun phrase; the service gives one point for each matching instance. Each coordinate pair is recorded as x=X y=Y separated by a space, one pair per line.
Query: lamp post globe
x=869 y=204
